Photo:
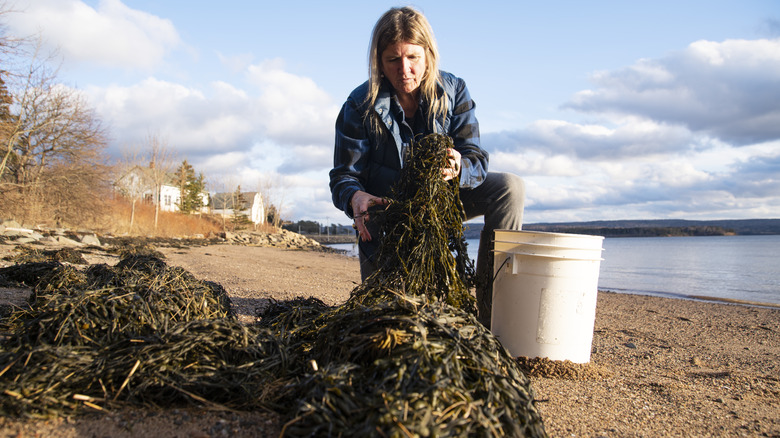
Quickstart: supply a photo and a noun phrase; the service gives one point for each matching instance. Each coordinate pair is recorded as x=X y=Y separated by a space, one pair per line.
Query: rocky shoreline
x=13 y=233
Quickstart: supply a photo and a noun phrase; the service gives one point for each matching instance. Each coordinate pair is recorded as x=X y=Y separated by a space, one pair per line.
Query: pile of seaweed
x=404 y=356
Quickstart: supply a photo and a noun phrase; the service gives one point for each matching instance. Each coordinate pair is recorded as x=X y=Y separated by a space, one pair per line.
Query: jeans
x=500 y=199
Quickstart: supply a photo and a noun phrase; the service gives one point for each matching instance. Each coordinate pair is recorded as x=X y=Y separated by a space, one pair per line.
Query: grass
x=117 y=219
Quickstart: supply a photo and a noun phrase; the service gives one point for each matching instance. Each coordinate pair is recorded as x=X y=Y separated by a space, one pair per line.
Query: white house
x=137 y=184
x=249 y=204
x=170 y=198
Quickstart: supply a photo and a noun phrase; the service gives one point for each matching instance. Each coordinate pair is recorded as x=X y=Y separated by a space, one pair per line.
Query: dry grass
x=117 y=221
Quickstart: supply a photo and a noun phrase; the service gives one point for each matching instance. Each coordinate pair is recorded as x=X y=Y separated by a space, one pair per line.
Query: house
x=136 y=183
x=249 y=204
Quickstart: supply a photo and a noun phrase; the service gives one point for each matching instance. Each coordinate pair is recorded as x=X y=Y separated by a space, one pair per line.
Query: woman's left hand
x=452 y=169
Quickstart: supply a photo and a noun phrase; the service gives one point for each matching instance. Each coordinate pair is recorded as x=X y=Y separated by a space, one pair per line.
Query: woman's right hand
x=361 y=202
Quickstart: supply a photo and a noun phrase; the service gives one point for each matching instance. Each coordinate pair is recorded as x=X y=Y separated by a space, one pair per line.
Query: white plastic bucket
x=544 y=293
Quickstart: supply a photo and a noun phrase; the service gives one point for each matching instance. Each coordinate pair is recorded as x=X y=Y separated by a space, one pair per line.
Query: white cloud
x=727 y=90
x=534 y=163
x=292 y=107
x=290 y=117
x=189 y=119
x=695 y=134
x=303 y=158
x=632 y=138
x=112 y=35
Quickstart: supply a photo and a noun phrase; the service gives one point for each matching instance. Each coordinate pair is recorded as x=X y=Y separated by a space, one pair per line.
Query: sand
x=659 y=367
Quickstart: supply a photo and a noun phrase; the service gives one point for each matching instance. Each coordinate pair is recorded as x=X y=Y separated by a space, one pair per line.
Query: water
x=723 y=267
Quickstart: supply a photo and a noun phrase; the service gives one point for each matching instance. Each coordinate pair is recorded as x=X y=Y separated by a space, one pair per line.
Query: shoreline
x=659 y=366
x=702 y=298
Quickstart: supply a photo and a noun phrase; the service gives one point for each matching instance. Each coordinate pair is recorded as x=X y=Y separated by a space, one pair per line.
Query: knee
x=514 y=186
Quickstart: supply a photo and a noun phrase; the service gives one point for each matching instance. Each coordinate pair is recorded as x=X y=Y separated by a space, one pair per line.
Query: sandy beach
x=659 y=367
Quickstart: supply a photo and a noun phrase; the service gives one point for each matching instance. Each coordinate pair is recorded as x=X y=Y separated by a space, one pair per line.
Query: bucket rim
x=550 y=256
x=550 y=233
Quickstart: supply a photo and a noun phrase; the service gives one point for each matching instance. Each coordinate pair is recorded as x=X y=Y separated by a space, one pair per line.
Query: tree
x=237 y=205
x=132 y=180
x=52 y=142
x=272 y=191
x=190 y=187
x=160 y=166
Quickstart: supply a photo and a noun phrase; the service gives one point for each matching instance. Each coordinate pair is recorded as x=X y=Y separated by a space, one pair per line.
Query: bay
x=717 y=267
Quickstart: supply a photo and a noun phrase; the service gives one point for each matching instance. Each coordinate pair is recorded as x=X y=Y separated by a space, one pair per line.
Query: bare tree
x=132 y=179
x=226 y=187
x=161 y=163
x=51 y=143
x=272 y=190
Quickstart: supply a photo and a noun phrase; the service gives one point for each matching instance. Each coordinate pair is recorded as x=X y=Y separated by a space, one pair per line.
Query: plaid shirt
x=371 y=162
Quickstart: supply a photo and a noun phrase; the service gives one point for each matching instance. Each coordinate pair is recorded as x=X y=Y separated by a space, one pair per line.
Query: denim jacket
x=371 y=162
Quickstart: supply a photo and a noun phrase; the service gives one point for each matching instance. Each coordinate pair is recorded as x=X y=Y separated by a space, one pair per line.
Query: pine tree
x=190 y=188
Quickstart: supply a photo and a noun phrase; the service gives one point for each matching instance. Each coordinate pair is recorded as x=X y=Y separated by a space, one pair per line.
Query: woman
x=407 y=97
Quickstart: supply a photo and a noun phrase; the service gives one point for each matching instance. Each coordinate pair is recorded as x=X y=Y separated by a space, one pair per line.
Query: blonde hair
x=405 y=25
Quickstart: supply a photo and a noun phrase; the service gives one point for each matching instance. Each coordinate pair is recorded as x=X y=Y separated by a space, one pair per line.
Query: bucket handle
x=499 y=269
x=516 y=265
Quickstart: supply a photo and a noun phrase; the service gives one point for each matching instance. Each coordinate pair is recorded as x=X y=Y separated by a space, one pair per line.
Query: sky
x=609 y=110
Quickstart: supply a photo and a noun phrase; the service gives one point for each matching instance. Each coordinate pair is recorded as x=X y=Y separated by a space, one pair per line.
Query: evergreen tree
x=239 y=218
x=190 y=188
x=197 y=186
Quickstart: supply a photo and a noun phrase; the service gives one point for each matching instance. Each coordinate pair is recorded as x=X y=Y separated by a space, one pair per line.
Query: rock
x=90 y=239
x=22 y=240
x=35 y=235
x=11 y=224
x=10 y=232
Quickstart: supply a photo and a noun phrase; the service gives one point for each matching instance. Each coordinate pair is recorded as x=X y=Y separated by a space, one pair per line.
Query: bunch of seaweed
x=35 y=255
x=404 y=356
x=86 y=334
x=423 y=249
x=403 y=367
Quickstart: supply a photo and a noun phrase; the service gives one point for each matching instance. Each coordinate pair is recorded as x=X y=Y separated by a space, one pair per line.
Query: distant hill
x=651 y=228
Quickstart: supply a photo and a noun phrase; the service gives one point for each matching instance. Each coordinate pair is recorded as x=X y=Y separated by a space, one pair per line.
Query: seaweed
x=403 y=356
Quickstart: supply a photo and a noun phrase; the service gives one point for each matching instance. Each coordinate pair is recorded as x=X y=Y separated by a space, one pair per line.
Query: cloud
x=282 y=122
x=291 y=107
x=192 y=120
x=112 y=35
x=695 y=134
x=727 y=90
x=304 y=158
x=675 y=186
x=632 y=138
x=756 y=177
